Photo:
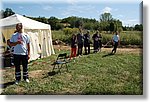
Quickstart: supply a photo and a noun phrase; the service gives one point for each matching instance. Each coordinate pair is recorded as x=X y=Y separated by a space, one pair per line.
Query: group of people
x=20 y=42
x=80 y=40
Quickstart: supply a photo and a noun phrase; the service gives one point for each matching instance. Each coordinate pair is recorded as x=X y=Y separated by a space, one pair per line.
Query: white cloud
x=107 y=10
x=76 y=10
x=72 y=2
x=47 y=8
x=133 y=20
x=130 y=22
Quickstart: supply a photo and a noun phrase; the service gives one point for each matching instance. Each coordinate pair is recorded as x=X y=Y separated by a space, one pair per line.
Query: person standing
x=21 y=43
x=97 y=41
x=73 y=46
x=116 y=42
x=87 y=42
x=80 y=42
x=10 y=50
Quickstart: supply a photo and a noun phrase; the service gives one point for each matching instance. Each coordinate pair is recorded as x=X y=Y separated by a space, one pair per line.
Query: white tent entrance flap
x=39 y=33
x=34 y=45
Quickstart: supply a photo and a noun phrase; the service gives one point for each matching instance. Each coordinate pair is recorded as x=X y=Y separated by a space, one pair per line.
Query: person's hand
x=113 y=43
x=19 y=42
x=28 y=57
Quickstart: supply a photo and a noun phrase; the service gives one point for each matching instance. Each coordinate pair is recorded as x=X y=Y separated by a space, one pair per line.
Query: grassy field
x=99 y=73
x=127 y=37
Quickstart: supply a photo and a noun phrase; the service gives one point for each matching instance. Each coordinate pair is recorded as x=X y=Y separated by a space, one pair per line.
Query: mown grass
x=99 y=73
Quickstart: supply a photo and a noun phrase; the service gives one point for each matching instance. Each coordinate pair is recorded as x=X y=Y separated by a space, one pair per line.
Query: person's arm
x=28 y=47
x=88 y=37
x=15 y=43
x=112 y=40
x=118 y=40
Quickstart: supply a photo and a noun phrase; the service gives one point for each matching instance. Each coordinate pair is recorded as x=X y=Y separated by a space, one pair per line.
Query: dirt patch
x=61 y=47
x=122 y=50
x=19 y=90
x=125 y=50
x=36 y=74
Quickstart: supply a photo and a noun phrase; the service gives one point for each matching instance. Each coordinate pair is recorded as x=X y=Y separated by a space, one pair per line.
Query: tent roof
x=27 y=23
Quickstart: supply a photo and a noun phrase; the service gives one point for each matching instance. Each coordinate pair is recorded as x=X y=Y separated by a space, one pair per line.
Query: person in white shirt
x=21 y=43
x=116 y=42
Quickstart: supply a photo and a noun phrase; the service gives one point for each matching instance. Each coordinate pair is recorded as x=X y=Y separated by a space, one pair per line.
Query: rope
x=106 y=44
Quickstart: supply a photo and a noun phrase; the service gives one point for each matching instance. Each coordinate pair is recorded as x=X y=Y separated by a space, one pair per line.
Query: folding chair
x=60 y=61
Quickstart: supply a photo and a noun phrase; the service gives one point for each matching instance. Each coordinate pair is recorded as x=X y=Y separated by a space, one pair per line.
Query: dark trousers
x=87 y=49
x=18 y=60
x=96 y=46
x=115 y=47
x=80 y=47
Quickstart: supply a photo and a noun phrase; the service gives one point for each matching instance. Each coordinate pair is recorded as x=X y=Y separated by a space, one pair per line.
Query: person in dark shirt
x=80 y=42
x=73 y=46
x=87 y=42
x=97 y=41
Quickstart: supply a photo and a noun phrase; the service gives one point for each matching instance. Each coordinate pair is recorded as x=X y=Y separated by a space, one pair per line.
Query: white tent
x=40 y=34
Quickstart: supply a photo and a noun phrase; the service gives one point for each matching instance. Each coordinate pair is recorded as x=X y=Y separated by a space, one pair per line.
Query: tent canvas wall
x=40 y=34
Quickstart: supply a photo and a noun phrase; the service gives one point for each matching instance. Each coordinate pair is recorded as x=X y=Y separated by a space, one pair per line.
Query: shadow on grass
x=109 y=54
x=5 y=85
x=51 y=74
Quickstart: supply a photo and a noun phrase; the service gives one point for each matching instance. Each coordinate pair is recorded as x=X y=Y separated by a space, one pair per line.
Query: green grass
x=92 y=74
x=127 y=37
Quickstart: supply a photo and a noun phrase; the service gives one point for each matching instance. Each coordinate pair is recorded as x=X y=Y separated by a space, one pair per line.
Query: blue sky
x=128 y=11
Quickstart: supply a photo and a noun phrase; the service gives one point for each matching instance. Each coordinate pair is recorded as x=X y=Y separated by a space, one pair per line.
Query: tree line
x=106 y=22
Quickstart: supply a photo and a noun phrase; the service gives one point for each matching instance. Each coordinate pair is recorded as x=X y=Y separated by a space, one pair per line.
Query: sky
x=127 y=11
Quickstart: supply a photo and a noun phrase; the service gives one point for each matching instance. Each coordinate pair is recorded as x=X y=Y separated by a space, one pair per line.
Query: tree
x=42 y=19
x=7 y=12
x=112 y=26
x=53 y=21
x=105 y=20
x=87 y=26
x=118 y=25
x=96 y=26
x=105 y=17
x=107 y=23
x=71 y=20
x=138 y=27
x=78 y=23
x=59 y=26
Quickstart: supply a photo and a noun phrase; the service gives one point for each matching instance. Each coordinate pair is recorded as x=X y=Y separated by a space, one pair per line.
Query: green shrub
x=70 y=31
